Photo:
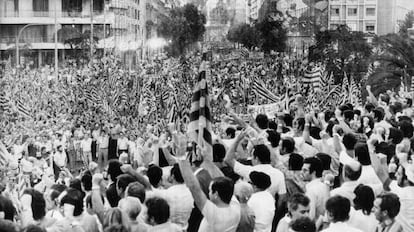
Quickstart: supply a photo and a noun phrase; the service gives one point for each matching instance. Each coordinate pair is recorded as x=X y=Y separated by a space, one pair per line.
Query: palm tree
x=394 y=61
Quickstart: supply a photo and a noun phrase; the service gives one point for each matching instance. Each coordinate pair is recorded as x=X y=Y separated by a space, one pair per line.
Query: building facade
x=391 y=13
x=358 y=15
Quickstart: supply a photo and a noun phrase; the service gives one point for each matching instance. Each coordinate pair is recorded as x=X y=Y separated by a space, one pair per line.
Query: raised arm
x=192 y=183
x=127 y=169
x=231 y=153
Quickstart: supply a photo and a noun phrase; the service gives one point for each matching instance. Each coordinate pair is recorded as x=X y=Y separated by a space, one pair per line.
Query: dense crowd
x=70 y=165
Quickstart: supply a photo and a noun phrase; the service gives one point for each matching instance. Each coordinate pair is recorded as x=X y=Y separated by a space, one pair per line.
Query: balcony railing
x=65 y=14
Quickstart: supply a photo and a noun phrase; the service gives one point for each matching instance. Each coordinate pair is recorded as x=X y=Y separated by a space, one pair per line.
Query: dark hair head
x=219 y=152
x=154 y=174
x=343 y=108
x=262 y=153
x=6 y=206
x=73 y=197
x=273 y=137
x=158 y=210
x=224 y=186
x=362 y=153
x=378 y=114
x=272 y=125
x=262 y=121
x=357 y=112
x=315 y=165
x=350 y=106
x=114 y=169
x=38 y=203
x=136 y=189
x=409 y=102
x=301 y=124
x=8 y=226
x=390 y=203
x=348 y=115
x=385 y=98
x=87 y=182
x=124 y=180
x=396 y=135
x=407 y=128
x=295 y=162
x=315 y=132
x=338 y=208
x=351 y=174
x=349 y=140
x=260 y=180
x=231 y=132
x=329 y=128
x=288 y=144
x=369 y=107
x=298 y=199
x=325 y=159
x=76 y=184
x=364 y=198
x=288 y=120
x=303 y=224
x=175 y=171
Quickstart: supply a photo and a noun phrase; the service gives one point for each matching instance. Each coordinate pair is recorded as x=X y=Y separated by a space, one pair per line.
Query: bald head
x=131 y=206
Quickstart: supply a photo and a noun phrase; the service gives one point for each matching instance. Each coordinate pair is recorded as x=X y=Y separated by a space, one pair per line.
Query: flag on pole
x=22 y=109
x=345 y=88
x=355 y=93
x=259 y=88
x=313 y=78
x=200 y=116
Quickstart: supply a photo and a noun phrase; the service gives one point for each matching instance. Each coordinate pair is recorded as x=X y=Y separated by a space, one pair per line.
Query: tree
x=244 y=34
x=406 y=24
x=79 y=43
x=343 y=51
x=184 y=27
x=394 y=62
x=272 y=33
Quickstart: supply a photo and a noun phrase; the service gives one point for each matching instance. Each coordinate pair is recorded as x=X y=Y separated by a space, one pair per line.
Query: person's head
x=339 y=111
x=273 y=137
x=288 y=120
x=298 y=125
x=378 y=114
x=349 y=140
x=113 y=217
x=8 y=226
x=114 y=169
x=362 y=153
x=262 y=121
x=385 y=98
x=122 y=183
x=72 y=202
x=402 y=178
x=230 y=133
x=395 y=135
x=131 y=206
x=312 y=168
x=38 y=203
x=7 y=209
x=287 y=146
x=243 y=191
x=136 y=189
x=86 y=181
x=407 y=128
x=154 y=174
x=295 y=162
x=364 y=198
x=52 y=194
x=175 y=174
x=261 y=154
x=219 y=152
x=348 y=115
x=338 y=208
x=369 y=107
x=325 y=159
x=298 y=206
x=158 y=211
x=259 y=180
x=352 y=171
x=221 y=189
x=302 y=224
x=386 y=206
x=367 y=122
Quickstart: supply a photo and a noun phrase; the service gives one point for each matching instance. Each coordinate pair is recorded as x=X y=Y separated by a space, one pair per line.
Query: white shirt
x=220 y=219
x=60 y=158
x=123 y=144
x=370 y=178
x=263 y=205
x=283 y=225
x=303 y=148
x=340 y=227
x=346 y=190
x=318 y=193
x=86 y=145
x=366 y=223
x=103 y=142
x=276 y=176
x=406 y=215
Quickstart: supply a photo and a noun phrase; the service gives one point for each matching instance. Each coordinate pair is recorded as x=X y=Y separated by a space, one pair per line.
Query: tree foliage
x=406 y=24
x=244 y=34
x=272 y=33
x=184 y=26
x=343 y=51
x=79 y=43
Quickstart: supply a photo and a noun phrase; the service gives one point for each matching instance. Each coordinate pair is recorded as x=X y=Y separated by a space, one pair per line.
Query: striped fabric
x=260 y=89
x=244 y=52
x=412 y=83
x=345 y=88
x=5 y=103
x=313 y=78
x=5 y=156
x=22 y=109
x=355 y=93
x=200 y=115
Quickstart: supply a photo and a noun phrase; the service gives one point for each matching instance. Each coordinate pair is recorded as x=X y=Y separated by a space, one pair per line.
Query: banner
x=269 y=109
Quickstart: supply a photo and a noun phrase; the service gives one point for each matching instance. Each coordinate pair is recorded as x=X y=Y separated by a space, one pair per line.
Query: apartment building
x=391 y=13
x=358 y=15
x=116 y=23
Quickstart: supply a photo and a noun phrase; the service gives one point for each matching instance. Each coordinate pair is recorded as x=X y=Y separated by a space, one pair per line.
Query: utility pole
x=91 y=39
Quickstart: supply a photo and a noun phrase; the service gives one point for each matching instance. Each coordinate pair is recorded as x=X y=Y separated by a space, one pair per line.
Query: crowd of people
x=74 y=167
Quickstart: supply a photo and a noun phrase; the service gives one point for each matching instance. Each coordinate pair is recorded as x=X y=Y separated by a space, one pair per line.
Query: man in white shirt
x=298 y=206
x=351 y=173
x=122 y=143
x=103 y=142
x=316 y=190
x=261 y=202
x=368 y=175
x=338 y=208
x=221 y=211
x=86 y=146
x=60 y=157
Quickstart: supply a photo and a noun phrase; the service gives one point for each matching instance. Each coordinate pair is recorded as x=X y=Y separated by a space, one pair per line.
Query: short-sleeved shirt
x=406 y=215
x=223 y=219
x=276 y=176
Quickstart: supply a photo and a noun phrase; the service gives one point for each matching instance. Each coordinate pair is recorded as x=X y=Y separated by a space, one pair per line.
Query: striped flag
x=200 y=116
x=313 y=78
x=412 y=83
x=260 y=89
x=22 y=109
x=355 y=93
x=244 y=52
x=345 y=88
x=5 y=103
x=5 y=156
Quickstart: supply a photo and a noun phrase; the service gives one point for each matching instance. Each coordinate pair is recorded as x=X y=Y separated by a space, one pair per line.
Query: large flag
x=5 y=103
x=259 y=88
x=345 y=88
x=355 y=93
x=22 y=108
x=313 y=78
x=200 y=115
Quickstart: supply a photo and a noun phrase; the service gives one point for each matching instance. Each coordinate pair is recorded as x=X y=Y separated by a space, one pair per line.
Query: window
x=40 y=5
x=370 y=28
x=335 y=11
x=352 y=11
x=370 y=11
